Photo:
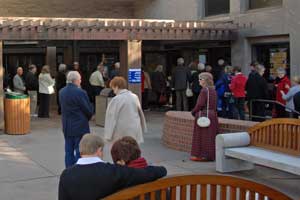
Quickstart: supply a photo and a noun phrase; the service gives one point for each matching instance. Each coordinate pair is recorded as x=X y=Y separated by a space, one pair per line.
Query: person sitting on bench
x=92 y=179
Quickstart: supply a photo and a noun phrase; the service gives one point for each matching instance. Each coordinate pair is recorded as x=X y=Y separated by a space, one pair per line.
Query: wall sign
x=135 y=76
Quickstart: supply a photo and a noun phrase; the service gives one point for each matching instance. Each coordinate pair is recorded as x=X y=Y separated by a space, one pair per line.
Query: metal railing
x=268 y=102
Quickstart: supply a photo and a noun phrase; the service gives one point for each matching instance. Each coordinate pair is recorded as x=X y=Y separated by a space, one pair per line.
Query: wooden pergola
x=131 y=33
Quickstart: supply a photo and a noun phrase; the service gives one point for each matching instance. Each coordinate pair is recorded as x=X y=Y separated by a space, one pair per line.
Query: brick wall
x=67 y=8
x=178 y=129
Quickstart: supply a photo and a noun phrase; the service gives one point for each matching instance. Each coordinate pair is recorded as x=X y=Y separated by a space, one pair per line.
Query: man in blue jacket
x=76 y=112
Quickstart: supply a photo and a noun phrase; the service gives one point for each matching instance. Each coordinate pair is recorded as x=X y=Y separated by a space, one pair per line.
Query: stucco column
x=1 y=87
x=130 y=60
x=51 y=59
x=241 y=53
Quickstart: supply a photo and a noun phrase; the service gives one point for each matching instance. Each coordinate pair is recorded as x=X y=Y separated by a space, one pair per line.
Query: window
x=216 y=7
x=254 y=4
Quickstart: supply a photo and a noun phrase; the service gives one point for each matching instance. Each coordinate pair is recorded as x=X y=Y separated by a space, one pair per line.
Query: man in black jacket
x=32 y=84
x=180 y=80
x=92 y=179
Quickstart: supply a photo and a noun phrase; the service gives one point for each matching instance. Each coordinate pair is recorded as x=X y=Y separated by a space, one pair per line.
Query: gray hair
x=90 y=143
x=159 y=68
x=117 y=65
x=73 y=76
x=260 y=68
x=180 y=61
x=62 y=67
x=281 y=70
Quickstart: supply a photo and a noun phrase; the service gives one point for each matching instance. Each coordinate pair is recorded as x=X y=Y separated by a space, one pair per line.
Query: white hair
x=180 y=61
x=73 y=76
x=117 y=65
x=201 y=67
x=62 y=67
x=159 y=68
x=260 y=68
x=281 y=70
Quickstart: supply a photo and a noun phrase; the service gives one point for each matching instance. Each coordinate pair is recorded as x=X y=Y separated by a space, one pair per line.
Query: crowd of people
x=237 y=93
x=196 y=88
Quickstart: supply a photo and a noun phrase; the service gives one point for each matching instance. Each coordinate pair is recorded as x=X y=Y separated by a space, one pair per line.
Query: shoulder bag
x=204 y=121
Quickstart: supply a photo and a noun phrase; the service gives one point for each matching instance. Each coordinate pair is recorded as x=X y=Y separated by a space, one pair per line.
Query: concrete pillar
x=131 y=58
x=241 y=54
x=294 y=54
x=51 y=59
x=1 y=87
x=201 y=9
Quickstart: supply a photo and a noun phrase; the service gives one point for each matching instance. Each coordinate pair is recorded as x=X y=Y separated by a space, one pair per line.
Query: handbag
x=189 y=92
x=204 y=121
x=162 y=99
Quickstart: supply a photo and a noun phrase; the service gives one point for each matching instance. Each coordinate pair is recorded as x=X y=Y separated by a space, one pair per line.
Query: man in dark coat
x=60 y=82
x=257 y=88
x=297 y=102
x=180 y=79
x=76 y=112
x=32 y=86
x=92 y=179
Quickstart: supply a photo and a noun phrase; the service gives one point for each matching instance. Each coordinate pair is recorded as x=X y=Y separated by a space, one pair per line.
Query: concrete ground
x=30 y=165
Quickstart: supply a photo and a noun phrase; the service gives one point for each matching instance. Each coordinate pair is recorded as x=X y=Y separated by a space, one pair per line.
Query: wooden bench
x=274 y=143
x=192 y=187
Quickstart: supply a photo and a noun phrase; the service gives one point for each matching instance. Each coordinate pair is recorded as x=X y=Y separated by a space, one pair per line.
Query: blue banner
x=135 y=76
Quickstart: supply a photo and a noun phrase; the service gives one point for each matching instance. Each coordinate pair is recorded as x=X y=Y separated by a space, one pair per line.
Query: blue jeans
x=71 y=150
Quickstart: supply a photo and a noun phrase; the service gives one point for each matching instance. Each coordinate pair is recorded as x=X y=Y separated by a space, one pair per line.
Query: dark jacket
x=180 y=77
x=98 y=180
x=297 y=101
x=158 y=82
x=31 y=82
x=60 y=80
x=256 y=87
x=76 y=111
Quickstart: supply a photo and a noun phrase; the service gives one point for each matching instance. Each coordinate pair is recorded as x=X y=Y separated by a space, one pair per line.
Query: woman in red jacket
x=282 y=83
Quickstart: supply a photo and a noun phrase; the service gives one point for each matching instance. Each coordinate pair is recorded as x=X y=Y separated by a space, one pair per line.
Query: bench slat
x=203 y=192
x=266 y=157
x=193 y=192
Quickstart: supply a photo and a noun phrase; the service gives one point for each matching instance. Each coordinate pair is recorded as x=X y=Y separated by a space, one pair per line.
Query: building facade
x=268 y=29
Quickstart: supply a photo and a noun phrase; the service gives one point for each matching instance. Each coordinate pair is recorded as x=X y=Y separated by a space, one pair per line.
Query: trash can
x=101 y=104
x=16 y=113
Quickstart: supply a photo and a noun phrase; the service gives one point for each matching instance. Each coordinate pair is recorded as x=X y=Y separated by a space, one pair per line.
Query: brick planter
x=178 y=129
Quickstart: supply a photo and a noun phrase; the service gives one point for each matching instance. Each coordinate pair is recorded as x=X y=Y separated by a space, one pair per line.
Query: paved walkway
x=30 y=165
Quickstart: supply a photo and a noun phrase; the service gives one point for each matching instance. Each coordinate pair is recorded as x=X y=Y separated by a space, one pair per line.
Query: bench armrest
x=233 y=139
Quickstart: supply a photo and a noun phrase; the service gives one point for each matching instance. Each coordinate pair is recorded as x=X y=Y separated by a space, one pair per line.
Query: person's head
x=125 y=150
x=253 y=65
x=32 y=68
x=237 y=69
x=201 y=67
x=45 y=69
x=100 y=68
x=260 y=69
x=281 y=72
x=62 y=67
x=296 y=80
x=91 y=145
x=20 y=71
x=159 y=68
x=74 y=77
x=180 y=61
x=206 y=79
x=221 y=62
x=76 y=65
x=117 y=65
x=228 y=69
x=118 y=83
x=208 y=68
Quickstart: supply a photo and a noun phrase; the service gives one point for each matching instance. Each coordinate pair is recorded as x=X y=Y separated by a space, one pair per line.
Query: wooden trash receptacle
x=16 y=114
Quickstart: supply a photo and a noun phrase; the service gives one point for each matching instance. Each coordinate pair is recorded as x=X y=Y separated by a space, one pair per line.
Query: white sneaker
x=34 y=115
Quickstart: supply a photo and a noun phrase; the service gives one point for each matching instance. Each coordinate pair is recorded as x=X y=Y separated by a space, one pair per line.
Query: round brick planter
x=178 y=129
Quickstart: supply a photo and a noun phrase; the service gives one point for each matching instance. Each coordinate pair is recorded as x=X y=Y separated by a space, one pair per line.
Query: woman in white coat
x=46 y=88
x=124 y=115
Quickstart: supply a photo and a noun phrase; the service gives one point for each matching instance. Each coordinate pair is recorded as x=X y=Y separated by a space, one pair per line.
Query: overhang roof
x=24 y=28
